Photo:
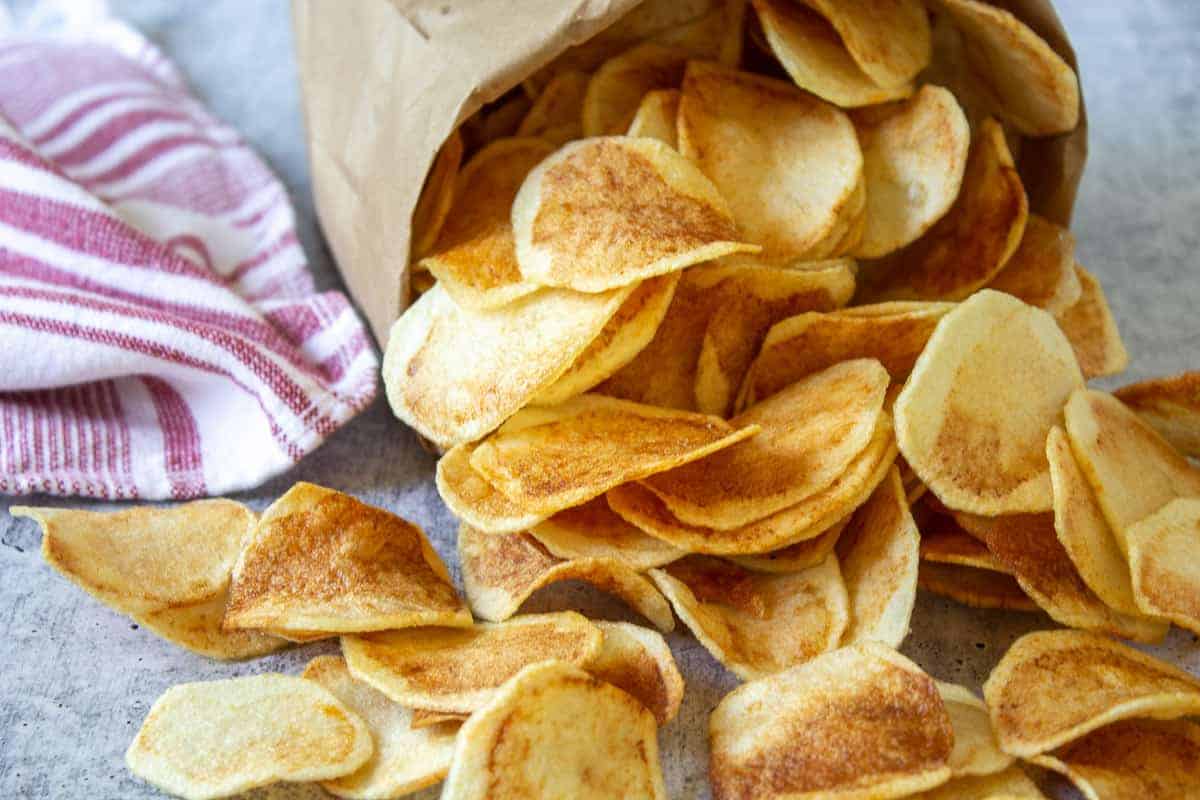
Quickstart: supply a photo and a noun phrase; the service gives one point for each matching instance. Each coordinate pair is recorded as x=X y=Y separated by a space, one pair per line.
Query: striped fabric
x=160 y=334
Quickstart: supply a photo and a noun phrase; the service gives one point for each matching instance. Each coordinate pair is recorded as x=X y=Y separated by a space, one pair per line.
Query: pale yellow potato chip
x=1132 y=469
x=424 y=718
x=954 y=419
x=795 y=557
x=216 y=739
x=593 y=530
x=502 y=572
x=811 y=432
x=1164 y=559
x=974 y=587
x=976 y=751
x=757 y=623
x=616 y=90
x=1171 y=406
x=786 y=174
x=321 y=561
x=1010 y=784
x=459 y=669
x=813 y=54
x=626 y=334
x=557 y=113
x=1052 y=687
x=1092 y=331
x=437 y=195
x=655 y=117
x=1132 y=759
x=802 y=522
x=546 y=460
x=198 y=627
x=715 y=36
x=889 y=39
x=879 y=554
x=405 y=759
x=969 y=245
x=914 y=159
x=943 y=541
x=473 y=500
x=637 y=660
x=1042 y=270
x=860 y=722
x=555 y=731
x=609 y=211
x=1033 y=89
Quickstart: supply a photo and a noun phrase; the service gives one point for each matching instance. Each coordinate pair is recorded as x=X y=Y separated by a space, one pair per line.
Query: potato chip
x=424 y=718
x=1171 y=406
x=1132 y=469
x=1011 y=784
x=1042 y=270
x=555 y=731
x=1052 y=687
x=814 y=56
x=863 y=721
x=974 y=587
x=626 y=334
x=954 y=419
x=473 y=500
x=914 y=158
x=458 y=669
x=811 y=432
x=609 y=211
x=437 y=195
x=715 y=36
x=616 y=90
x=324 y=562
x=1132 y=759
x=943 y=541
x=496 y=120
x=599 y=442
x=890 y=41
x=970 y=244
x=199 y=627
x=216 y=739
x=757 y=623
x=557 y=113
x=405 y=759
x=879 y=554
x=420 y=282
x=501 y=572
x=655 y=117
x=1034 y=90
x=786 y=174
x=795 y=557
x=637 y=660
x=1092 y=331
x=453 y=375
x=1163 y=551
x=976 y=751
x=593 y=530
x=892 y=333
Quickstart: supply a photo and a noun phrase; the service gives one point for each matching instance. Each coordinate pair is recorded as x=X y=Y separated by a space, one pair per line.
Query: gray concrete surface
x=77 y=679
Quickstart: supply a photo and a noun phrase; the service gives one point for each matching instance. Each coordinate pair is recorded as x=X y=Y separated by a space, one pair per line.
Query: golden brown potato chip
x=1132 y=759
x=1011 y=784
x=420 y=281
x=716 y=36
x=453 y=375
x=1030 y=85
x=1132 y=469
x=557 y=113
x=616 y=90
x=969 y=245
x=795 y=557
x=501 y=572
x=814 y=56
x=787 y=174
x=199 y=627
x=497 y=120
x=943 y=541
x=879 y=554
x=1052 y=687
x=637 y=660
x=473 y=500
x=757 y=623
x=626 y=334
x=1164 y=559
x=889 y=39
x=216 y=739
x=860 y=722
x=475 y=257
x=1042 y=270
x=593 y=530
x=978 y=588
x=914 y=158
x=555 y=731
x=1090 y=327
x=324 y=562
x=811 y=432
x=424 y=718
x=954 y=419
x=458 y=669
x=405 y=759
x=976 y=751
x=609 y=211
x=437 y=195
x=655 y=117
x=1171 y=406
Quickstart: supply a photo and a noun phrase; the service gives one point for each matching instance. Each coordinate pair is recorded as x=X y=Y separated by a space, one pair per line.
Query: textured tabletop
x=76 y=679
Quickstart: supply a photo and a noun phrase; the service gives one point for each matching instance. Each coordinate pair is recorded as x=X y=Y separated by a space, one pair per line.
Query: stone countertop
x=76 y=679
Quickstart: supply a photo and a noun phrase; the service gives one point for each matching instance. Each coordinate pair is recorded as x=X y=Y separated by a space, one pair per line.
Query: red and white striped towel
x=160 y=335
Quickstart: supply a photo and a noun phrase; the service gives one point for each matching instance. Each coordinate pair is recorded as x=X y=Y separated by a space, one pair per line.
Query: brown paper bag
x=386 y=81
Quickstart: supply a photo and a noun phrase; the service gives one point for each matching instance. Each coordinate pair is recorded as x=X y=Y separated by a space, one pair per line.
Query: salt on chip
x=954 y=419
x=863 y=721
x=1042 y=270
x=593 y=530
x=616 y=89
x=786 y=174
x=1090 y=327
x=502 y=572
x=891 y=41
x=555 y=731
x=405 y=759
x=795 y=557
x=974 y=587
x=557 y=113
x=459 y=669
x=655 y=117
x=475 y=501
x=321 y=561
x=757 y=623
x=609 y=211
x=976 y=751
x=437 y=195
x=1010 y=784
x=220 y=738
x=1171 y=406
x=1052 y=687
x=1163 y=559
x=637 y=660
